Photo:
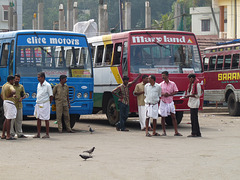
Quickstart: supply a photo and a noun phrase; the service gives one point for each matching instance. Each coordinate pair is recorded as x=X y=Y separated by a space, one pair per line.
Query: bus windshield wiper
x=161 y=45
x=42 y=47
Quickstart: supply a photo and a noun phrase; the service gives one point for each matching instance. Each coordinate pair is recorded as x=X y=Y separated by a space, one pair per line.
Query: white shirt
x=152 y=93
x=194 y=102
x=44 y=91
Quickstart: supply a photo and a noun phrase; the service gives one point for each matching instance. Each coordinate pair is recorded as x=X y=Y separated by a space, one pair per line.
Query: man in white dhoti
x=42 y=107
x=152 y=93
x=10 y=111
x=139 y=92
x=166 y=108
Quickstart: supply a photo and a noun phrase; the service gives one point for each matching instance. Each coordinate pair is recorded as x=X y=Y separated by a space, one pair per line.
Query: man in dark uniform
x=61 y=96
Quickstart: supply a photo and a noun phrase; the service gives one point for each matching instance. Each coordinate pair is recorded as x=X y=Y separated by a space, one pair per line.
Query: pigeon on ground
x=90 y=151
x=85 y=157
x=90 y=129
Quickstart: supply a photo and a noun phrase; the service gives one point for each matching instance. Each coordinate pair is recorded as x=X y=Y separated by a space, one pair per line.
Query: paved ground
x=127 y=155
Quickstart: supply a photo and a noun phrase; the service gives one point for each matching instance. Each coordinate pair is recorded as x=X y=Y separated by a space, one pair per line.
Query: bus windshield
x=66 y=56
x=155 y=58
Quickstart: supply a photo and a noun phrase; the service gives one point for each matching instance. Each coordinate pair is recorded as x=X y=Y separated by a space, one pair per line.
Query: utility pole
x=147 y=15
x=69 y=15
x=120 y=16
x=61 y=18
x=75 y=13
x=100 y=17
x=128 y=15
x=34 y=21
x=40 y=14
x=10 y=16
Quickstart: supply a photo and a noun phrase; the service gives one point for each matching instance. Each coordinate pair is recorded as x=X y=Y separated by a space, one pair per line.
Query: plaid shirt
x=123 y=92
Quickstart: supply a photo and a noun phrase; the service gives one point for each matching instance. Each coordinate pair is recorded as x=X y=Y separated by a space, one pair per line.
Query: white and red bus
x=222 y=75
x=146 y=52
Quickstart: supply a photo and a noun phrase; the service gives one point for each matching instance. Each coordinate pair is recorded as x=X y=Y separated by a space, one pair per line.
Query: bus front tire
x=112 y=112
x=179 y=116
x=233 y=105
x=73 y=119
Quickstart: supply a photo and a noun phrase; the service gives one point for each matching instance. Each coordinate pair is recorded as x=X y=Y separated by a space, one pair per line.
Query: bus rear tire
x=233 y=105
x=112 y=112
x=179 y=116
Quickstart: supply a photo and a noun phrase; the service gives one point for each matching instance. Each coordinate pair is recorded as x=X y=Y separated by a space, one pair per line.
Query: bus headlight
x=85 y=95
x=34 y=95
x=79 y=95
x=27 y=95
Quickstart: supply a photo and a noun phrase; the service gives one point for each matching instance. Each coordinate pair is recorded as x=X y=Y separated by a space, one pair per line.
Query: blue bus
x=55 y=53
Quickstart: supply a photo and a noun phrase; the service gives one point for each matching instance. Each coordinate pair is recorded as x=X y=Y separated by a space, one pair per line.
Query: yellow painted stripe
x=116 y=74
x=107 y=39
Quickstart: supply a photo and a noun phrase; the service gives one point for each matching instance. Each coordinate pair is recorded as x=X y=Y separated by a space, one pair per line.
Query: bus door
x=125 y=59
x=6 y=61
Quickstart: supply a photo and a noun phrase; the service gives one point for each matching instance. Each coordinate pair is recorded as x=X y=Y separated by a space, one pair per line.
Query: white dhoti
x=10 y=110
x=42 y=111
x=151 y=111
x=165 y=109
x=142 y=117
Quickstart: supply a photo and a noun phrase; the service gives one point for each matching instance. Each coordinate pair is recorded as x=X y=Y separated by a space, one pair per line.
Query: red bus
x=222 y=75
x=115 y=55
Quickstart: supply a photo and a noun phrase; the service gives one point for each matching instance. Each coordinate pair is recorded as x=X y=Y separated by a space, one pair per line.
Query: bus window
x=205 y=63
x=11 y=59
x=124 y=59
x=83 y=56
x=68 y=57
x=117 y=53
x=99 y=55
x=4 y=57
x=235 y=61
x=92 y=51
x=219 y=62
x=108 y=55
x=227 y=61
x=212 y=63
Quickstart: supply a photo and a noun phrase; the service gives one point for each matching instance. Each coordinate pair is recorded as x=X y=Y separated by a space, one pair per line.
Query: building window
x=5 y=12
x=5 y=15
x=206 y=25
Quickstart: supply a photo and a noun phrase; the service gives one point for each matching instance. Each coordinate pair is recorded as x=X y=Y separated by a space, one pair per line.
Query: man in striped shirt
x=122 y=92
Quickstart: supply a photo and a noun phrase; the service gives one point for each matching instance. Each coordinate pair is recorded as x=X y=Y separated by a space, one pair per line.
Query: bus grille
x=71 y=93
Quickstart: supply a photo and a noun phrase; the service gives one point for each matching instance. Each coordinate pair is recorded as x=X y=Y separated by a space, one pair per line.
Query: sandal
x=148 y=135
x=177 y=134
x=46 y=136
x=3 y=137
x=11 y=138
x=36 y=136
x=156 y=134
x=164 y=134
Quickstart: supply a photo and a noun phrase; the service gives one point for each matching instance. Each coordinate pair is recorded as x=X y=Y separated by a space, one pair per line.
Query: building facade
x=17 y=10
x=205 y=21
x=232 y=7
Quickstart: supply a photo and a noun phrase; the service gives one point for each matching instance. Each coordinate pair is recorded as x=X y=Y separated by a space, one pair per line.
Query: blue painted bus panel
x=51 y=40
x=76 y=85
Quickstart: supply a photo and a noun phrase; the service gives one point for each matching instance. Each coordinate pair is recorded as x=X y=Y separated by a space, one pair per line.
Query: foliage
x=166 y=21
x=51 y=11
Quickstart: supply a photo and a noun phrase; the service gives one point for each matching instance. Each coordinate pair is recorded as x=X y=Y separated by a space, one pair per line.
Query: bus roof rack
x=228 y=42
